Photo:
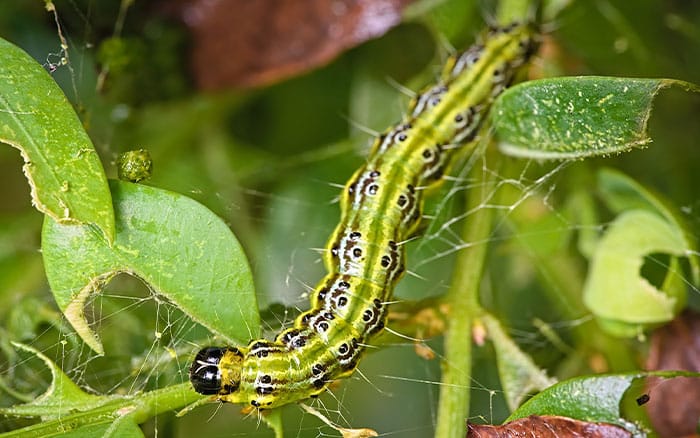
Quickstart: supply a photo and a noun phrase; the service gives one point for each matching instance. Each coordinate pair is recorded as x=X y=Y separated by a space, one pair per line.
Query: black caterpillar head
x=205 y=373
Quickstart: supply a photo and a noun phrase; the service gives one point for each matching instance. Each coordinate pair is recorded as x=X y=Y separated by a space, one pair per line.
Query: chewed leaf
x=177 y=246
x=576 y=117
x=548 y=427
x=518 y=373
x=616 y=292
x=620 y=192
x=64 y=172
x=60 y=398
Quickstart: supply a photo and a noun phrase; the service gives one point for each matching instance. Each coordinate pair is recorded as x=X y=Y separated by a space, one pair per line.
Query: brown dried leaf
x=674 y=404
x=345 y=432
x=547 y=427
x=243 y=43
x=423 y=351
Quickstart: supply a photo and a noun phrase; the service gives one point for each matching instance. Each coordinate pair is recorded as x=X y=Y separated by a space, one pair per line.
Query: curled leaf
x=616 y=292
x=576 y=117
x=621 y=193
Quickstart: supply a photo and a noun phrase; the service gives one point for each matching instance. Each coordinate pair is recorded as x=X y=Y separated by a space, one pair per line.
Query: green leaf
x=576 y=117
x=64 y=172
x=121 y=428
x=177 y=246
x=620 y=192
x=519 y=375
x=616 y=292
x=60 y=398
x=589 y=398
x=68 y=411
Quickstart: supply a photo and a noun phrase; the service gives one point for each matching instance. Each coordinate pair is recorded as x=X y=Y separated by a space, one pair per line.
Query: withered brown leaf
x=243 y=43
x=545 y=426
x=674 y=404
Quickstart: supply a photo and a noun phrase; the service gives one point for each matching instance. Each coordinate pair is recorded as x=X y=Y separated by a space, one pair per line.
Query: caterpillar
x=381 y=206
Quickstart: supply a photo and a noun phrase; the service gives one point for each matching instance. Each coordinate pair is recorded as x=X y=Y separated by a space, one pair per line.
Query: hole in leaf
x=655 y=268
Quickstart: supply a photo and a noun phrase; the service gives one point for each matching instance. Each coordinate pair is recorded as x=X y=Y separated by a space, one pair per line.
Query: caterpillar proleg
x=380 y=207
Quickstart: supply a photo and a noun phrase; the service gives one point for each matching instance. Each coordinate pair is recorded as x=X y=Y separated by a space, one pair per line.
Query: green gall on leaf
x=134 y=166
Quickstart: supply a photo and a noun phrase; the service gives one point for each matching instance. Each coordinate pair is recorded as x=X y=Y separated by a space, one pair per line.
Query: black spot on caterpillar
x=380 y=206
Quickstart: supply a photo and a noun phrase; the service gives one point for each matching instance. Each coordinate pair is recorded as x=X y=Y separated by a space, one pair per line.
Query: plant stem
x=515 y=10
x=463 y=299
x=463 y=296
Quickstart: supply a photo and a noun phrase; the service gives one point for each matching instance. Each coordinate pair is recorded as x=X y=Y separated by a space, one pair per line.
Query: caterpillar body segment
x=381 y=206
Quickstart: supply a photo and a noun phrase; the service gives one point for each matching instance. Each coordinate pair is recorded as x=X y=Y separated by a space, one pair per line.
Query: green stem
x=463 y=296
x=515 y=10
x=463 y=299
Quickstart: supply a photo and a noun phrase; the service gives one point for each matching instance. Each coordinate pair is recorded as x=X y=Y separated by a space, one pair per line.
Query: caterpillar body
x=380 y=208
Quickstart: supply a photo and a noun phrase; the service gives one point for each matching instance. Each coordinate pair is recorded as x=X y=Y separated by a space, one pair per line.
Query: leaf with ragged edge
x=68 y=411
x=589 y=398
x=64 y=172
x=576 y=117
x=620 y=193
x=519 y=375
x=616 y=292
x=177 y=246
